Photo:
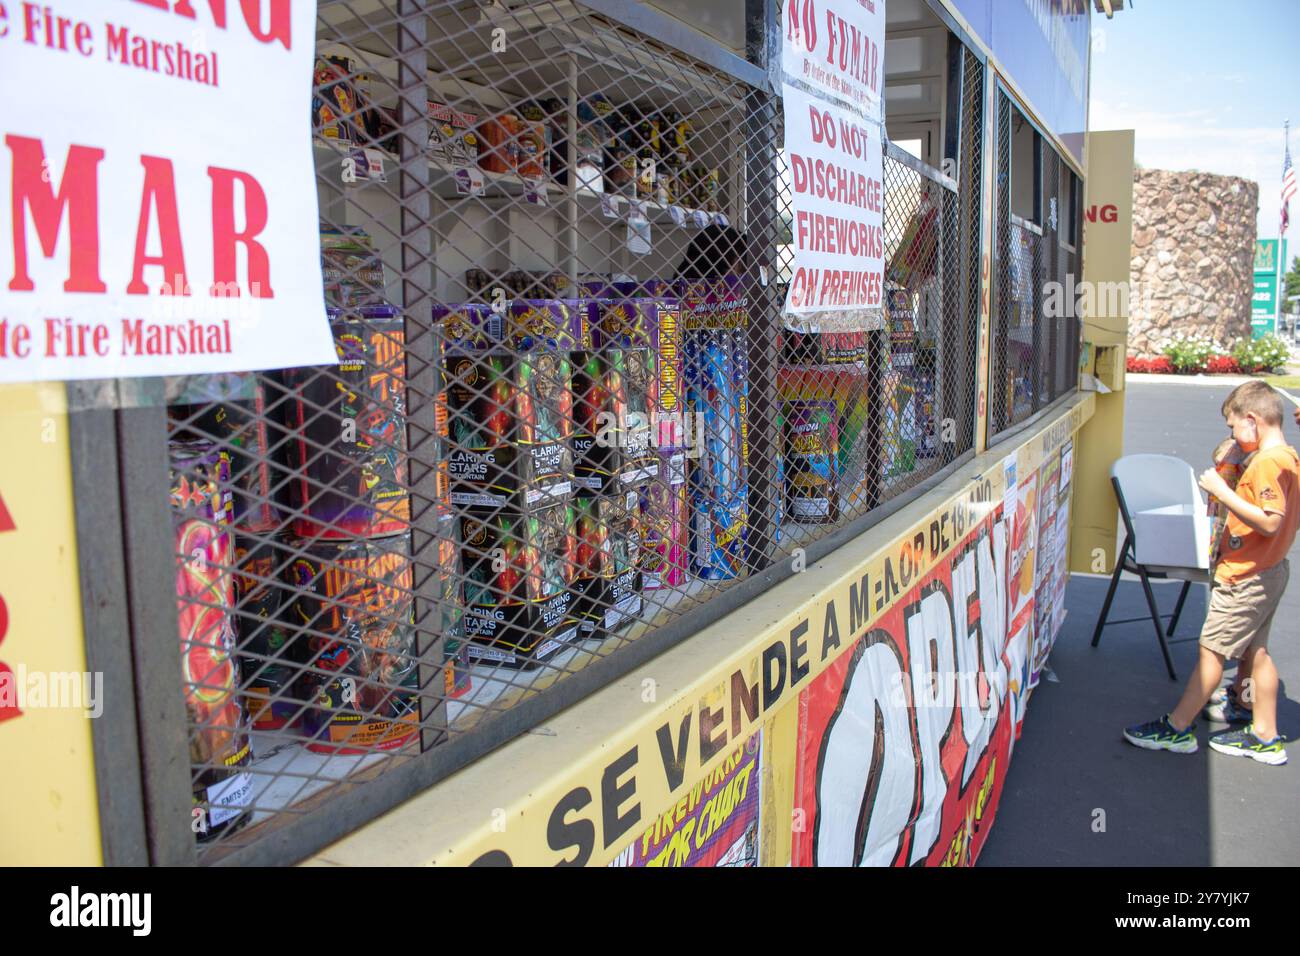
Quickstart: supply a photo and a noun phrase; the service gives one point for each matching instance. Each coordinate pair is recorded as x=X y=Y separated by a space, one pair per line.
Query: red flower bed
x=1222 y=365
x=1157 y=366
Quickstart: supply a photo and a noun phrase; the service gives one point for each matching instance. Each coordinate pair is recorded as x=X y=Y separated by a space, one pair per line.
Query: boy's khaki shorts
x=1241 y=613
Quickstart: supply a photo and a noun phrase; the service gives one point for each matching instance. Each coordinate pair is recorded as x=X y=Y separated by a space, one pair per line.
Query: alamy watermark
x=26 y=689
x=1078 y=299
x=176 y=301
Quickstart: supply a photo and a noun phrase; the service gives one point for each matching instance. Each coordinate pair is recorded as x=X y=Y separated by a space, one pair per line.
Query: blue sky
x=1206 y=84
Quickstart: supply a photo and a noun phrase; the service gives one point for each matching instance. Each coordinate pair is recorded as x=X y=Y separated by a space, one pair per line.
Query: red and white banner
x=837 y=46
x=837 y=197
x=904 y=742
x=158 y=210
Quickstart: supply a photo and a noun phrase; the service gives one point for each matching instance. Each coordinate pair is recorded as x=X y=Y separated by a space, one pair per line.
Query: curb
x=1212 y=380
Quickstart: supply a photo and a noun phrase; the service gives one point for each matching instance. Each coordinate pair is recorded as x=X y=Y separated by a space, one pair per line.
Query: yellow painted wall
x=1107 y=252
x=48 y=809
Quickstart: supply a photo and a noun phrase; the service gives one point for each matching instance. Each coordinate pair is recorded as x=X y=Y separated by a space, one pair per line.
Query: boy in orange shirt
x=1252 y=573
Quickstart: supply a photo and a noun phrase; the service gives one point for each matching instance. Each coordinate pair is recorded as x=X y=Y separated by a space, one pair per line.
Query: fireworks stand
x=587 y=549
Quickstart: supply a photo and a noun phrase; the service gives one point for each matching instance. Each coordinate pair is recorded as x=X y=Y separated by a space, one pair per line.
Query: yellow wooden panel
x=48 y=808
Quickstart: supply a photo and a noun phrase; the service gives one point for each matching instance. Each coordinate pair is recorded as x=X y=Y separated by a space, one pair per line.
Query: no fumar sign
x=158 y=209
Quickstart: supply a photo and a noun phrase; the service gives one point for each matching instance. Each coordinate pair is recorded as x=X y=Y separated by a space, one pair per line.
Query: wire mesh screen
x=1035 y=319
x=963 y=340
x=566 y=411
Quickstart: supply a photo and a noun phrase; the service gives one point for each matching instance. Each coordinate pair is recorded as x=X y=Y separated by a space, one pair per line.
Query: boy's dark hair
x=1256 y=398
x=715 y=252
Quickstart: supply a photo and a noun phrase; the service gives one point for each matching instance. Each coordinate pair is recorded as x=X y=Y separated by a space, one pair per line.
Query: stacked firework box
x=509 y=386
x=350 y=669
x=616 y=461
x=647 y=316
x=715 y=319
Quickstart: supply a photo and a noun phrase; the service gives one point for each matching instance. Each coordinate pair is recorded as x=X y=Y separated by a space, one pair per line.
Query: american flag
x=1288 y=189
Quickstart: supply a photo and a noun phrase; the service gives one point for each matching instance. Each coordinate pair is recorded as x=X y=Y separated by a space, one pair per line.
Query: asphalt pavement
x=1076 y=793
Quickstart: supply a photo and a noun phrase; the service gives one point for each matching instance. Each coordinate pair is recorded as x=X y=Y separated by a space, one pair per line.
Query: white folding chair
x=1166 y=535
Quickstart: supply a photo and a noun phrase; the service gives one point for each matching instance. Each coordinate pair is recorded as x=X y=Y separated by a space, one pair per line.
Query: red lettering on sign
x=225 y=237
x=1108 y=213
x=281 y=26
x=8 y=688
x=33 y=199
x=160 y=191
x=802 y=26
x=78 y=195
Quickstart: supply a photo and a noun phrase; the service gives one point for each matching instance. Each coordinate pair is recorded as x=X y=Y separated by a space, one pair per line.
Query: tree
x=1292 y=282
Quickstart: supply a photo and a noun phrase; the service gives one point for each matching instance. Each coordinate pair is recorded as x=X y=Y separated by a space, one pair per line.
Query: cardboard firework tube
x=270 y=657
x=664 y=525
x=811 y=444
x=351 y=433
x=356 y=612
x=219 y=741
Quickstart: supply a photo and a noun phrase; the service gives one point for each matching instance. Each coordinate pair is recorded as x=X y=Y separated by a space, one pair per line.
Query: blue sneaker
x=1161 y=735
x=1227 y=711
x=1244 y=743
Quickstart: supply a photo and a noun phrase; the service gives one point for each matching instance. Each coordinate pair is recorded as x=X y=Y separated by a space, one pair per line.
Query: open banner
x=904 y=742
x=159 y=192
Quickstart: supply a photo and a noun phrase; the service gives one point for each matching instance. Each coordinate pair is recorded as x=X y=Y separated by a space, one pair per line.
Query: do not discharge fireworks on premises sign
x=161 y=213
x=833 y=60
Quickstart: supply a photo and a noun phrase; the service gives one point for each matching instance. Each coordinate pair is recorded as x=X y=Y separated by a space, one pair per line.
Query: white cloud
x=1195 y=139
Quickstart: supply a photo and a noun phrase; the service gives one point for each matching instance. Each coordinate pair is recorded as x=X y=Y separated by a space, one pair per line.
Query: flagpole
x=1281 y=246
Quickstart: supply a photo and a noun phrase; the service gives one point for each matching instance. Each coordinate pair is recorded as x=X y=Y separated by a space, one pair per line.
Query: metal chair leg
x=1110 y=592
x=1155 y=620
x=1178 y=608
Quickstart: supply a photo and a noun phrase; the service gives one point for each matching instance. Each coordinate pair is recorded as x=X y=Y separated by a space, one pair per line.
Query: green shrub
x=1264 y=354
x=1189 y=354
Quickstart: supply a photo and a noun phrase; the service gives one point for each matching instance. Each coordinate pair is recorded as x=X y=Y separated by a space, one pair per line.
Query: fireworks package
x=733 y=312
x=717 y=537
x=811 y=459
x=510 y=402
x=608 y=529
x=352 y=270
x=634 y=322
x=927 y=441
x=519 y=584
x=715 y=316
x=356 y=609
x=219 y=739
x=713 y=400
x=822 y=348
x=613 y=390
x=351 y=432
x=845 y=387
x=270 y=661
x=663 y=523
x=514 y=144
x=452 y=136
x=244 y=411
x=335 y=105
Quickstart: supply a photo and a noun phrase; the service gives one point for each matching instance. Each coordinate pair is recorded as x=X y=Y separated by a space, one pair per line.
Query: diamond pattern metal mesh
x=1035 y=325
x=566 y=411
